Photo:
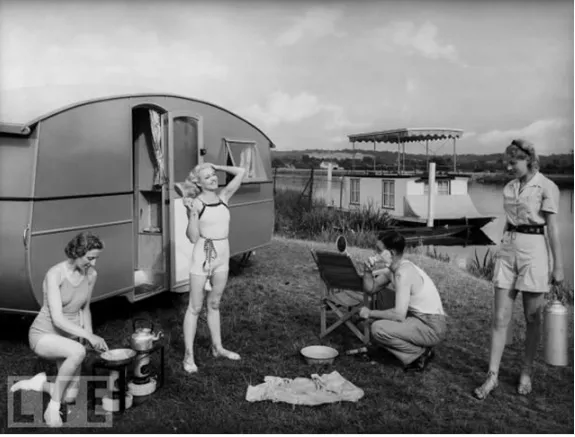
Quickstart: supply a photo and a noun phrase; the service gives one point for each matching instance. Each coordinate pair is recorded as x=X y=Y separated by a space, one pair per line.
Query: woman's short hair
x=523 y=149
x=81 y=244
x=392 y=240
x=191 y=186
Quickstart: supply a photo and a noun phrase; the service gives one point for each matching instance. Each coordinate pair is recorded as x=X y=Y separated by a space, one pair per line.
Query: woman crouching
x=208 y=229
x=63 y=321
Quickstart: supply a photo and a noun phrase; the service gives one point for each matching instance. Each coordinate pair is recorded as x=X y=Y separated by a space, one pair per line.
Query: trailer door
x=184 y=137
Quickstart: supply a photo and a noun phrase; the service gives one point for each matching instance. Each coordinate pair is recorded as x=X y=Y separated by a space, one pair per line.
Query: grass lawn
x=269 y=313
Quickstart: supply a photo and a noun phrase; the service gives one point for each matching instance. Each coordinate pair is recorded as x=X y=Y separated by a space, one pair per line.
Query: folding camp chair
x=343 y=293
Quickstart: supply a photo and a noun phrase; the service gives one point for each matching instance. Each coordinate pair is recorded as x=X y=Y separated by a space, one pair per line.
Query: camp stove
x=144 y=341
x=143 y=382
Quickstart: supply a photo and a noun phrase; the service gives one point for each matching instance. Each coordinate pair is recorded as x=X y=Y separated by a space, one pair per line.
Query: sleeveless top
x=214 y=215
x=425 y=299
x=74 y=297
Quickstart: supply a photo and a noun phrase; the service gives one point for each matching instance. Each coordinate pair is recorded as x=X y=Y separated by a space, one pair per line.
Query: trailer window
x=388 y=194
x=354 y=191
x=245 y=154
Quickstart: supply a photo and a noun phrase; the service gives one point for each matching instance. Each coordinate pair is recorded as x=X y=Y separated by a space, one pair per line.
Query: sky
x=311 y=73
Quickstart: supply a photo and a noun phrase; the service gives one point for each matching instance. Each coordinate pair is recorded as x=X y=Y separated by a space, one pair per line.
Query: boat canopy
x=406 y=135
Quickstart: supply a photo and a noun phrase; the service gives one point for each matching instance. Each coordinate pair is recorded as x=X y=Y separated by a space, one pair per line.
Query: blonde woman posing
x=523 y=263
x=208 y=229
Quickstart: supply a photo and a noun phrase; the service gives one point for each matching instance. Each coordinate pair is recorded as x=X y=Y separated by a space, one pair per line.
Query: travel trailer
x=108 y=164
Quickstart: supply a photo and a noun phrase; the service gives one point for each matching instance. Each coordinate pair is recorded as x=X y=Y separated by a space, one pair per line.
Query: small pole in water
x=328 y=197
x=431 y=195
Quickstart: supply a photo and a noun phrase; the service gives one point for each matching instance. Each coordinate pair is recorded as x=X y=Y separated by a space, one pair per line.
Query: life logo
x=26 y=408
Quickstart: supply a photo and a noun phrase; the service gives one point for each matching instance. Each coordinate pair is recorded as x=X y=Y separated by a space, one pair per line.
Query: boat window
x=388 y=194
x=443 y=188
x=354 y=191
x=245 y=154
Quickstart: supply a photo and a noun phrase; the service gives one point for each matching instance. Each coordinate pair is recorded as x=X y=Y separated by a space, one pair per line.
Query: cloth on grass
x=327 y=388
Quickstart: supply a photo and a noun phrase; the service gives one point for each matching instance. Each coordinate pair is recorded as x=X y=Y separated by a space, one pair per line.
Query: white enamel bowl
x=319 y=354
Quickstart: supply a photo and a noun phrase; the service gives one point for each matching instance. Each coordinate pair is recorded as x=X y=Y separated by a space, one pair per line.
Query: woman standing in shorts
x=523 y=263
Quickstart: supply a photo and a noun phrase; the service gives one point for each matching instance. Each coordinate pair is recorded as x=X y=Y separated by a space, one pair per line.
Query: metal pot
x=143 y=338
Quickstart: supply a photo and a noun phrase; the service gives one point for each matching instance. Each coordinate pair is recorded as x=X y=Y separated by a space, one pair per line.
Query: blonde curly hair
x=191 y=186
x=523 y=149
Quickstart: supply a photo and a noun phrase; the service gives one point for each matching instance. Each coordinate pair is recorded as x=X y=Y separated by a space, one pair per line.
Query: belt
x=210 y=252
x=526 y=229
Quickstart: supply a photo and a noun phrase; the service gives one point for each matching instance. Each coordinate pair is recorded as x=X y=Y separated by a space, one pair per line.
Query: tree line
x=385 y=160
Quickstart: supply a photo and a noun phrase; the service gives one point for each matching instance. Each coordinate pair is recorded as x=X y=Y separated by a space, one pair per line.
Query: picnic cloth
x=327 y=388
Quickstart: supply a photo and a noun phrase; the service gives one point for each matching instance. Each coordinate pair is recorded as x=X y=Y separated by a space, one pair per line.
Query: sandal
x=487 y=387
x=524 y=387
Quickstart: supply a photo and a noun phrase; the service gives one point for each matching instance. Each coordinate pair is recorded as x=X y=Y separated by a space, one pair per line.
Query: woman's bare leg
x=502 y=312
x=533 y=306
x=197 y=283
x=219 y=281
x=71 y=354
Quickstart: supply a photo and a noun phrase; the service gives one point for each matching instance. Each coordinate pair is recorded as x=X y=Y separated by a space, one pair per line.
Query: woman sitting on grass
x=531 y=203
x=63 y=321
x=208 y=229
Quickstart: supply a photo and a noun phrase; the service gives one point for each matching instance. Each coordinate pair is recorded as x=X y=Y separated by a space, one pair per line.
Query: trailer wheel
x=239 y=262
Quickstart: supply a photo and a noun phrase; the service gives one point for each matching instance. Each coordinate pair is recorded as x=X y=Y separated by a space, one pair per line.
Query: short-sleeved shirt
x=526 y=207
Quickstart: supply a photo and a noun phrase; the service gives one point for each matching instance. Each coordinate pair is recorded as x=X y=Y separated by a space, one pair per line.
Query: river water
x=488 y=200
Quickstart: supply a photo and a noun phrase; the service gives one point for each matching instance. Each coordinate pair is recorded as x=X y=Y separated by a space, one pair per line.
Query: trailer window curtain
x=245 y=154
x=158 y=151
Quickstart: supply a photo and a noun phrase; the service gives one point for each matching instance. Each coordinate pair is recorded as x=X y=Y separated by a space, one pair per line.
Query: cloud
x=283 y=108
x=548 y=135
x=421 y=40
x=316 y=23
x=128 y=56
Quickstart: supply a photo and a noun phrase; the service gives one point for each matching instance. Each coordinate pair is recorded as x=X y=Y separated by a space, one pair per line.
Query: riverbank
x=562 y=180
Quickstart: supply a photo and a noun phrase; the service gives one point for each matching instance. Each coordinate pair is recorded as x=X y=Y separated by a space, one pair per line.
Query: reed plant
x=482 y=268
x=296 y=217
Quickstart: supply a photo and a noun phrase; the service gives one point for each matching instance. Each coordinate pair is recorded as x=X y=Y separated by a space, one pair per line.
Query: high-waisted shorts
x=210 y=256
x=522 y=263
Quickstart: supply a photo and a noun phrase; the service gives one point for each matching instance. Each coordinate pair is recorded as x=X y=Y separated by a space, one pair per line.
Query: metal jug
x=555 y=338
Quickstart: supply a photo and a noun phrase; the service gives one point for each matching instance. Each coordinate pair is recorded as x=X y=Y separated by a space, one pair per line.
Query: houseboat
x=405 y=194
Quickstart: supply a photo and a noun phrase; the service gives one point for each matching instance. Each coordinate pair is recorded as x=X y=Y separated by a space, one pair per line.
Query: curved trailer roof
x=22 y=108
x=408 y=135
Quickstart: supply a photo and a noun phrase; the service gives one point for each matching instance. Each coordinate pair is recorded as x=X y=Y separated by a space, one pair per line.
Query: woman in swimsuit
x=63 y=320
x=208 y=229
x=531 y=203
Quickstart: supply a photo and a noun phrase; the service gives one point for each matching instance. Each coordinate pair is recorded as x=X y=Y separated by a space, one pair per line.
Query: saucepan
x=118 y=356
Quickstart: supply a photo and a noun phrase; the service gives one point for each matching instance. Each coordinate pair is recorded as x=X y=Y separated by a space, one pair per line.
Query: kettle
x=143 y=338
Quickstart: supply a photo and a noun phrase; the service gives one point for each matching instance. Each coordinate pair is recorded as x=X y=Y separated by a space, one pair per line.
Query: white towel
x=318 y=390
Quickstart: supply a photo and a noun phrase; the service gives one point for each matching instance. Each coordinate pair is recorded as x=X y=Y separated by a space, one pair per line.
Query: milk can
x=555 y=338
